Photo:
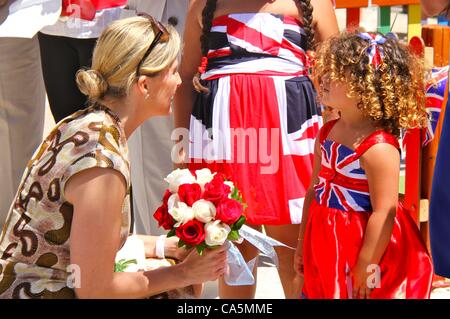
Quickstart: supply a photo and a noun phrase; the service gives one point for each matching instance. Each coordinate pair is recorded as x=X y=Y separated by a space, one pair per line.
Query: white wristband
x=159 y=249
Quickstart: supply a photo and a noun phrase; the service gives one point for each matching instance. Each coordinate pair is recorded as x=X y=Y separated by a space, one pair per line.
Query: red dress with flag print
x=86 y=9
x=258 y=122
x=336 y=225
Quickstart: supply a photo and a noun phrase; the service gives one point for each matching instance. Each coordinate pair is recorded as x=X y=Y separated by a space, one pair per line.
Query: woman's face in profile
x=164 y=87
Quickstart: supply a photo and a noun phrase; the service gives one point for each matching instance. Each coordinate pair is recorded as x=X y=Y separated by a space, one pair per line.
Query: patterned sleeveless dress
x=35 y=241
x=258 y=122
x=336 y=224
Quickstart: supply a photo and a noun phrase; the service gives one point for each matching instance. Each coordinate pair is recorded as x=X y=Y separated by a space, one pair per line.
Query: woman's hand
x=298 y=259
x=207 y=267
x=359 y=275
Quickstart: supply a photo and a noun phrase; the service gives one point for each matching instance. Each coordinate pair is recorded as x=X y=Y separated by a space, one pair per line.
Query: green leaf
x=237 y=225
x=233 y=235
x=181 y=243
x=131 y=261
x=235 y=193
x=122 y=264
x=200 y=249
x=171 y=233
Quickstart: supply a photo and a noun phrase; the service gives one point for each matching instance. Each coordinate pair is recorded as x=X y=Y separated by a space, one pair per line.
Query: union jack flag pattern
x=343 y=183
x=260 y=111
x=435 y=93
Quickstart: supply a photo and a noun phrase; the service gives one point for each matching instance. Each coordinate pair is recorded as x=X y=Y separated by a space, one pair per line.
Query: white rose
x=216 y=233
x=204 y=210
x=204 y=176
x=173 y=201
x=182 y=213
x=179 y=177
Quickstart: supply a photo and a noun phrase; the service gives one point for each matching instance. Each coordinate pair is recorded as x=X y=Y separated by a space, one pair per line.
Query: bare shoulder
x=380 y=156
x=95 y=180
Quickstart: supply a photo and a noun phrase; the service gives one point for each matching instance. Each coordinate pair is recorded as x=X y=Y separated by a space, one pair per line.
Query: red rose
x=163 y=217
x=229 y=211
x=216 y=190
x=190 y=193
x=192 y=233
x=167 y=194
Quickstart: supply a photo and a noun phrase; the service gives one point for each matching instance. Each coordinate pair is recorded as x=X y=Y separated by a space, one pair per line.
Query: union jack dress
x=335 y=231
x=258 y=122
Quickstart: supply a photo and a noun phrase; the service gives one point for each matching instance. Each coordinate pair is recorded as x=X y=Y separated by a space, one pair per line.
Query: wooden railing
x=353 y=13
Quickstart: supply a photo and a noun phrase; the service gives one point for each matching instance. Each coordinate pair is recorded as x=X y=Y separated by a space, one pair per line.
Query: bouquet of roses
x=201 y=208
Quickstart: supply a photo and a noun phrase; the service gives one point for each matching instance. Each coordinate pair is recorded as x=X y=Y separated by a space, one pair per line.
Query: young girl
x=260 y=107
x=356 y=240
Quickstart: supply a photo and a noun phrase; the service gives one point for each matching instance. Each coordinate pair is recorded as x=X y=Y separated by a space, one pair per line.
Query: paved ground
x=268 y=283
x=269 y=286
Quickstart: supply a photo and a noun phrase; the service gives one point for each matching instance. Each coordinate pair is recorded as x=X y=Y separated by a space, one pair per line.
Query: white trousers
x=22 y=108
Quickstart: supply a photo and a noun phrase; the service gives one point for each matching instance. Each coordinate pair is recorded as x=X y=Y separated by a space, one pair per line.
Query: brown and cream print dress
x=34 y=243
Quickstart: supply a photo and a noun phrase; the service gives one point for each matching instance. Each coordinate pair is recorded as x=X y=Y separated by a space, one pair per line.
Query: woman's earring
x=146 y=97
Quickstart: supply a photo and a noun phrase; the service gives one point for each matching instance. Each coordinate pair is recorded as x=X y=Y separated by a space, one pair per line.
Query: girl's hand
x=298 y=259
x=359 y=276
x=171 y=249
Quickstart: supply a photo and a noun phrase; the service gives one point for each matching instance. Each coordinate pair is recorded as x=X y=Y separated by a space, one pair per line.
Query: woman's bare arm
x=433 y=8
x=324 y=20
x=97 y=196
x=190 y=61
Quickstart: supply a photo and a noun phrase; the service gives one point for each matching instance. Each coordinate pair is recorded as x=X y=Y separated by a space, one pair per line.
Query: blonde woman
x=71 y=212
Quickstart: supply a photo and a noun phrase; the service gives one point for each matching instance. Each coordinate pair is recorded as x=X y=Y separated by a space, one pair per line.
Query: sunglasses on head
x=162 y=35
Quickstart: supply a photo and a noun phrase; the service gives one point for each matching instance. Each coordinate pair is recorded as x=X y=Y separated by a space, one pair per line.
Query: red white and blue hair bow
x=374 y=51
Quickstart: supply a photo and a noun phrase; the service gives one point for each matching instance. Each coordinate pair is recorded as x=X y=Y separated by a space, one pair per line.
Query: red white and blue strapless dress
x=258 y=122
x=336 y=224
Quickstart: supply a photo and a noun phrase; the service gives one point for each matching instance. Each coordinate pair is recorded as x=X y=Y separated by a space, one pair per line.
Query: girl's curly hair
x=392 y=94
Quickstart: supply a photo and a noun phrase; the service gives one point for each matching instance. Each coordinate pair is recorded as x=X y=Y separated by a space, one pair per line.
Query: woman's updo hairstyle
x=118 y=51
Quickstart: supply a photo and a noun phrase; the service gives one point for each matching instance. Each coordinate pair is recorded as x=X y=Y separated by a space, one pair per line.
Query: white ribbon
x=374 y=47
x=241 y=273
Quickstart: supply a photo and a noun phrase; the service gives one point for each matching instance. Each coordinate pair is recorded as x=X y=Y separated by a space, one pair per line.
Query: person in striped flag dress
x=255 y=116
